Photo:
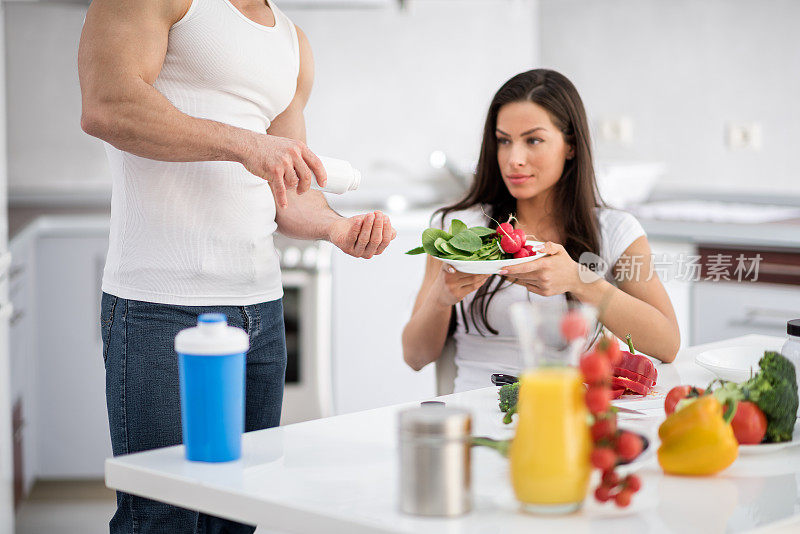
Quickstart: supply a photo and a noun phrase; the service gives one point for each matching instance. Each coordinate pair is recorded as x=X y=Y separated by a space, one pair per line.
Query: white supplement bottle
x=791 y=349
x=342 y=177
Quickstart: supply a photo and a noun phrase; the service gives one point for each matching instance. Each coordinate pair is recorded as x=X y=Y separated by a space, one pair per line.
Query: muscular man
x=200 y=103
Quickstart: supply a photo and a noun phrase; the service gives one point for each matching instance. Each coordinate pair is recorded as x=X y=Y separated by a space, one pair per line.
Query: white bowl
x=626 y=183
x=736 y=364
x=491 y=266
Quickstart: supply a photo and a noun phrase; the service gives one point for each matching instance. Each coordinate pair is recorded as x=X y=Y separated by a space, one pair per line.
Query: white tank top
x=200 y=233
x=478 y=356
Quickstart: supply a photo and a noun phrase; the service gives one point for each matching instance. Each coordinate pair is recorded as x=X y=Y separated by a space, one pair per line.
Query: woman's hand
x=554 y=274
x=452 y=286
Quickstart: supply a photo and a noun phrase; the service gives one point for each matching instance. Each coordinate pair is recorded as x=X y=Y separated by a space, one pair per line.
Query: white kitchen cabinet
x=667 y=257
x=22 y=343
x=72 y=423
x=372 y=300
x=728 y=309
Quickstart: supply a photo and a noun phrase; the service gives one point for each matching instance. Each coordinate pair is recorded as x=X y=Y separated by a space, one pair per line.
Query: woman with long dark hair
x=536 y=164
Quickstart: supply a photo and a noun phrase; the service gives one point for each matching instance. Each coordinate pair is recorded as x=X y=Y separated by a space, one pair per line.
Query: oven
x=306 y=275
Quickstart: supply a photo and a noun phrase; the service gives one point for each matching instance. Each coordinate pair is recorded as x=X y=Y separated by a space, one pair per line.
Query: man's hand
x=362 y=236
x=284 y=163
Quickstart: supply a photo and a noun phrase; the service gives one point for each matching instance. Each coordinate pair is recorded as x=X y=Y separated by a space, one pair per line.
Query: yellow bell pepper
x=697 y=440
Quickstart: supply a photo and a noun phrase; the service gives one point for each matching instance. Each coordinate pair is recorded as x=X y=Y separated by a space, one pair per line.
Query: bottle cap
x=212 y=337
x=793 y=327
x=356 y=180
x=443 y=422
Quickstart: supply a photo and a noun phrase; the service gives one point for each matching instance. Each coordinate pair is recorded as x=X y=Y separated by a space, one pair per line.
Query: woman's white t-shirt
x=478 y=356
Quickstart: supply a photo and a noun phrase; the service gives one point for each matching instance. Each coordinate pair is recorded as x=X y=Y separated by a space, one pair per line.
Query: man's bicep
x=124 y=40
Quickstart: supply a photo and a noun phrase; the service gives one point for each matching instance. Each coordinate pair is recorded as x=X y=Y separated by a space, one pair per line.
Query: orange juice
x=550 y=453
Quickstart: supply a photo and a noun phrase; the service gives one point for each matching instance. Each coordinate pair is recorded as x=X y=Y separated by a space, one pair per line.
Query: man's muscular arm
x=309 y=216
x=121 y=52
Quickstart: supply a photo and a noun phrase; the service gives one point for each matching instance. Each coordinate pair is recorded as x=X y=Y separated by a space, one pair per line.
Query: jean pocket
x=107 y=307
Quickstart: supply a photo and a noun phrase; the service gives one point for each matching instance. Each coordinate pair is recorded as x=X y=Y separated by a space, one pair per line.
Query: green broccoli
x=509 y=394
x=774 y=390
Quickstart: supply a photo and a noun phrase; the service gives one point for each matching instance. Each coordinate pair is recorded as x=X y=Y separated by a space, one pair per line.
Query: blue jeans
x=143 y=395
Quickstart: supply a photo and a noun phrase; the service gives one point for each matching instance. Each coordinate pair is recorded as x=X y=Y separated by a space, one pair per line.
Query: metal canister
x=435 y=461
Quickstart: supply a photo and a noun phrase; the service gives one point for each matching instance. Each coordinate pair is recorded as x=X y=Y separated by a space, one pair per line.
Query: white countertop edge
x=178 y=492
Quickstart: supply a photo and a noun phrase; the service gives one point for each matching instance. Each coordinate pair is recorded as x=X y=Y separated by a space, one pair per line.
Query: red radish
x=521 y=237
x=509 y=244
x=522 y=253
x=505 y=230
x=617 y=393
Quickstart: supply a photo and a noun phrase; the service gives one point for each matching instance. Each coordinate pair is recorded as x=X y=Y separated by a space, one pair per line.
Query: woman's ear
x=571 y=152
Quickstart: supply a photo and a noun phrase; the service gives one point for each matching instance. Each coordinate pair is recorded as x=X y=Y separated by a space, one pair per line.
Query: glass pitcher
x=549 y=455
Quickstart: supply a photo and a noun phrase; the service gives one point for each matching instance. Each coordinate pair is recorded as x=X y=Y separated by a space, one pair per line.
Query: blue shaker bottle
x=211 y=365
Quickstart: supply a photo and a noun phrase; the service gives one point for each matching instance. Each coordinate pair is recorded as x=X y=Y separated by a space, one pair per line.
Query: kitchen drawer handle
x=779 y=268
x=15 y=272
x=17 y=317
x=764 y=318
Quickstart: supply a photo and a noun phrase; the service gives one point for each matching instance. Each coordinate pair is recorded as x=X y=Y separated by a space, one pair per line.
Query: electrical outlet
x=745 y=135
x=617 y=130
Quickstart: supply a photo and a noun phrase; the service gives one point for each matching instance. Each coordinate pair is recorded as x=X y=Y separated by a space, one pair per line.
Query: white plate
x=732 y=363
x=491 y=266
x=766 y=448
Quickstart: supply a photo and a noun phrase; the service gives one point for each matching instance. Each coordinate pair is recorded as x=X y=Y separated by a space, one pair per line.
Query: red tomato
x=629 y=446
x=749 y=424
x=603 y=428
x=573 y=326
x=623 y=498
x=679 y=393
x=603 y=458
x=594 y=367
x=597 y=399
x=610 y=348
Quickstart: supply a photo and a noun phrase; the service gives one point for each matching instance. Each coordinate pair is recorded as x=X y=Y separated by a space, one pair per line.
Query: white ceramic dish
x=733 y=363
x=766 y=448
x=492 y=266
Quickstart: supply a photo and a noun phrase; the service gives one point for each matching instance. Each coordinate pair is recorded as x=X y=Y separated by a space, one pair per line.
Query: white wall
x=681 y=69
x=390 y=84
x=394 y=85
x=47 y=150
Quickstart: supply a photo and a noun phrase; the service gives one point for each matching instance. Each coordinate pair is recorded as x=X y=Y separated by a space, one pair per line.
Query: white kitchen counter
x=339 y=475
